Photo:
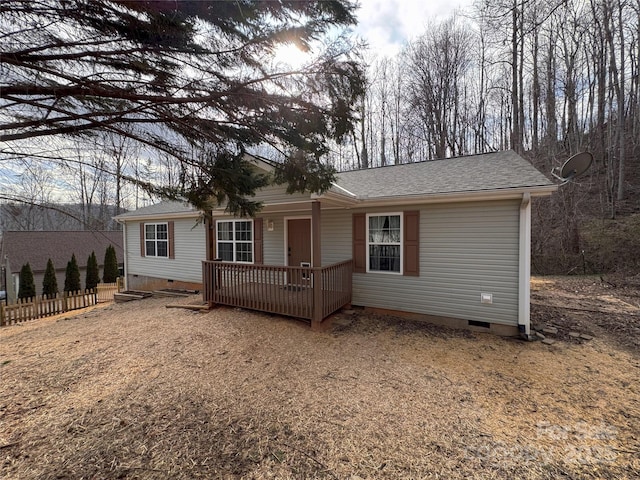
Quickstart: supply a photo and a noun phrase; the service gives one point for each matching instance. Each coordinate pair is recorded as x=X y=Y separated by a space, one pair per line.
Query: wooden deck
x=291 y=291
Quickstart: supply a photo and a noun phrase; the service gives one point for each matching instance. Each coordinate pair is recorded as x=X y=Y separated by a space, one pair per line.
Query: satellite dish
x=573 y=168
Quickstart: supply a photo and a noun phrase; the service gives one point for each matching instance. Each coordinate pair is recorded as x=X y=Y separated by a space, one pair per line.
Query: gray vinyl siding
x=190 y=251
x=278 y=194
x=335 y=237
x=336 y=231
x=465 y=249
x=273 y=242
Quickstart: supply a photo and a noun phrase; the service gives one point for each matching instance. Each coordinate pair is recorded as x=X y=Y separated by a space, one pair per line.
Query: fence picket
x=42 y=306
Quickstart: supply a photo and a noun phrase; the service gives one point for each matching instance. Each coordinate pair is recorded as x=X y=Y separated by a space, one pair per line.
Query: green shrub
x=72 y=276
x=27 y=287
x=110 y=265
x=93 y=275
x=50 y=282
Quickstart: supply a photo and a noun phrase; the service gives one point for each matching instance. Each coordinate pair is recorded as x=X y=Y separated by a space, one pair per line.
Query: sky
x=387 y=24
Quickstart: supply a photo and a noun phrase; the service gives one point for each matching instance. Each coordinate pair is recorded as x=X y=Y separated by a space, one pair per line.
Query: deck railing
x=311 y=293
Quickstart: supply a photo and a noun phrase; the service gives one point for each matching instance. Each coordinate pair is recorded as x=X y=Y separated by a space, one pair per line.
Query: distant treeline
x=26 y=217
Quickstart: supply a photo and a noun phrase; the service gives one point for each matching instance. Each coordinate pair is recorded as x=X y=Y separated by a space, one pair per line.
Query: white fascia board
x=501 y=194
x=158 y=216
x=260 y=163
x=336 y=197
x=340 y=191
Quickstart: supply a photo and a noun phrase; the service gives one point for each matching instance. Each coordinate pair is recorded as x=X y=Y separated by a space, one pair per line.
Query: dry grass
x=140 y=391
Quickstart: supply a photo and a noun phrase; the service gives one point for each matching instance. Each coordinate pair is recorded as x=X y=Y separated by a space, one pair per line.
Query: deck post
x=316 y=319
x=316 y=248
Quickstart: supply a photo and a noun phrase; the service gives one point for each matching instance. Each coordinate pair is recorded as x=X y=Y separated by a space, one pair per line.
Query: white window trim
x=155 y=240
x=234 y=241
x=386 y=214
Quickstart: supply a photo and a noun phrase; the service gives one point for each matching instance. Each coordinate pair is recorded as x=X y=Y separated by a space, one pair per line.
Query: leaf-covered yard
x=137 y=390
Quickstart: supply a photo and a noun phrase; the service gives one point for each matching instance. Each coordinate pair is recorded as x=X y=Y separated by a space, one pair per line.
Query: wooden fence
x=105 y=291
x=38 y=307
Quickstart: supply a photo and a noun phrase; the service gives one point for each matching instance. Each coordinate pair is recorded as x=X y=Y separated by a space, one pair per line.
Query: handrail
x=312 y=293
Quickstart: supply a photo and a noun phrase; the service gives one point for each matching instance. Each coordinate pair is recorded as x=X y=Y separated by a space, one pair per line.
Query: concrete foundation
x=494 y=328
x=142 y=282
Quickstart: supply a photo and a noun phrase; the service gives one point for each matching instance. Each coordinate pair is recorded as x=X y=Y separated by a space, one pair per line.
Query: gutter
x=500 y=194
x=157 y=216
x=344 y=190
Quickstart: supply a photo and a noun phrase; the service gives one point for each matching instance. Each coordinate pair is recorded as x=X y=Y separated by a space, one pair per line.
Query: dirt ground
x=140 y=391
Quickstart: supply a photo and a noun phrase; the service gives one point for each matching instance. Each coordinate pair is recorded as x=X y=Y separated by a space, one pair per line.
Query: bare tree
x=170 y=74
x=438 y=62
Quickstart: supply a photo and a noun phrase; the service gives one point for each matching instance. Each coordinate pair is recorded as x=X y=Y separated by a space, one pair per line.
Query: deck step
x=128 y=297
x=198 y=308
x=169 y=293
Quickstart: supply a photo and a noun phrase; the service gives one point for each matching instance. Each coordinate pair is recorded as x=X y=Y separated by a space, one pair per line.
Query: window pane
x=384 y=258
x=386 y=236
x=375 y=235
x=384 y=229
x=225 y=230
x=394 y=228
x=162 y=231
x=162 y=248
x=225 y=251
x=244 y=252
x=151 y=248
x=149 y=232
x=243 y=231
x=394 y=258
x=374 y=257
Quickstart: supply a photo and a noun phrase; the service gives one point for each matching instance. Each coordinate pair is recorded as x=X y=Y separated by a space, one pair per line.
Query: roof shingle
x=474 y=173
x=37 y=247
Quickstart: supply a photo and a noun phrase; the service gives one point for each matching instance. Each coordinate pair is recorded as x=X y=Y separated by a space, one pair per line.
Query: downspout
x=524 y=270
x=126 y=255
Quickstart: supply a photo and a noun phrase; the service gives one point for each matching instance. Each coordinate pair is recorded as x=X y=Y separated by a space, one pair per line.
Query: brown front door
x=298 y=244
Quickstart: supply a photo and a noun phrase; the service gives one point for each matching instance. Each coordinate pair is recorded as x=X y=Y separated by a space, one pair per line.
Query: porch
x=311 y=293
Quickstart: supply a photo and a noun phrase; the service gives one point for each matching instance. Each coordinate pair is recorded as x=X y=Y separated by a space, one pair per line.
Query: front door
x=298 y=245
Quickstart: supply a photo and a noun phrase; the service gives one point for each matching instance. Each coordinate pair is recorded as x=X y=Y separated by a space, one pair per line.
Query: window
x=384 y=243
x=235 y=240
x=388 y=243
x=156 y=239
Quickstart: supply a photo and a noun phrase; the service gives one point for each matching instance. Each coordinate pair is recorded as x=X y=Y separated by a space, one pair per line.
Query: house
x=164 y=246
x=37 y=247
x=446 y=241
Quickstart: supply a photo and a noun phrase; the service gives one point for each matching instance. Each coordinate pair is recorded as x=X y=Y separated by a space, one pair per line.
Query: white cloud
x=387 y=24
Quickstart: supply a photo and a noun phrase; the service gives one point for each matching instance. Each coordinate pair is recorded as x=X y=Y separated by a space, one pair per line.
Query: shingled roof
x=163 y=209
x=497 y=173
x=37 y=247
x=475 y=173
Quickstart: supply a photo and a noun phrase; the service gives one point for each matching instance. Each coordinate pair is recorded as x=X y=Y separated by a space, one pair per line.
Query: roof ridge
x=421 y=162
